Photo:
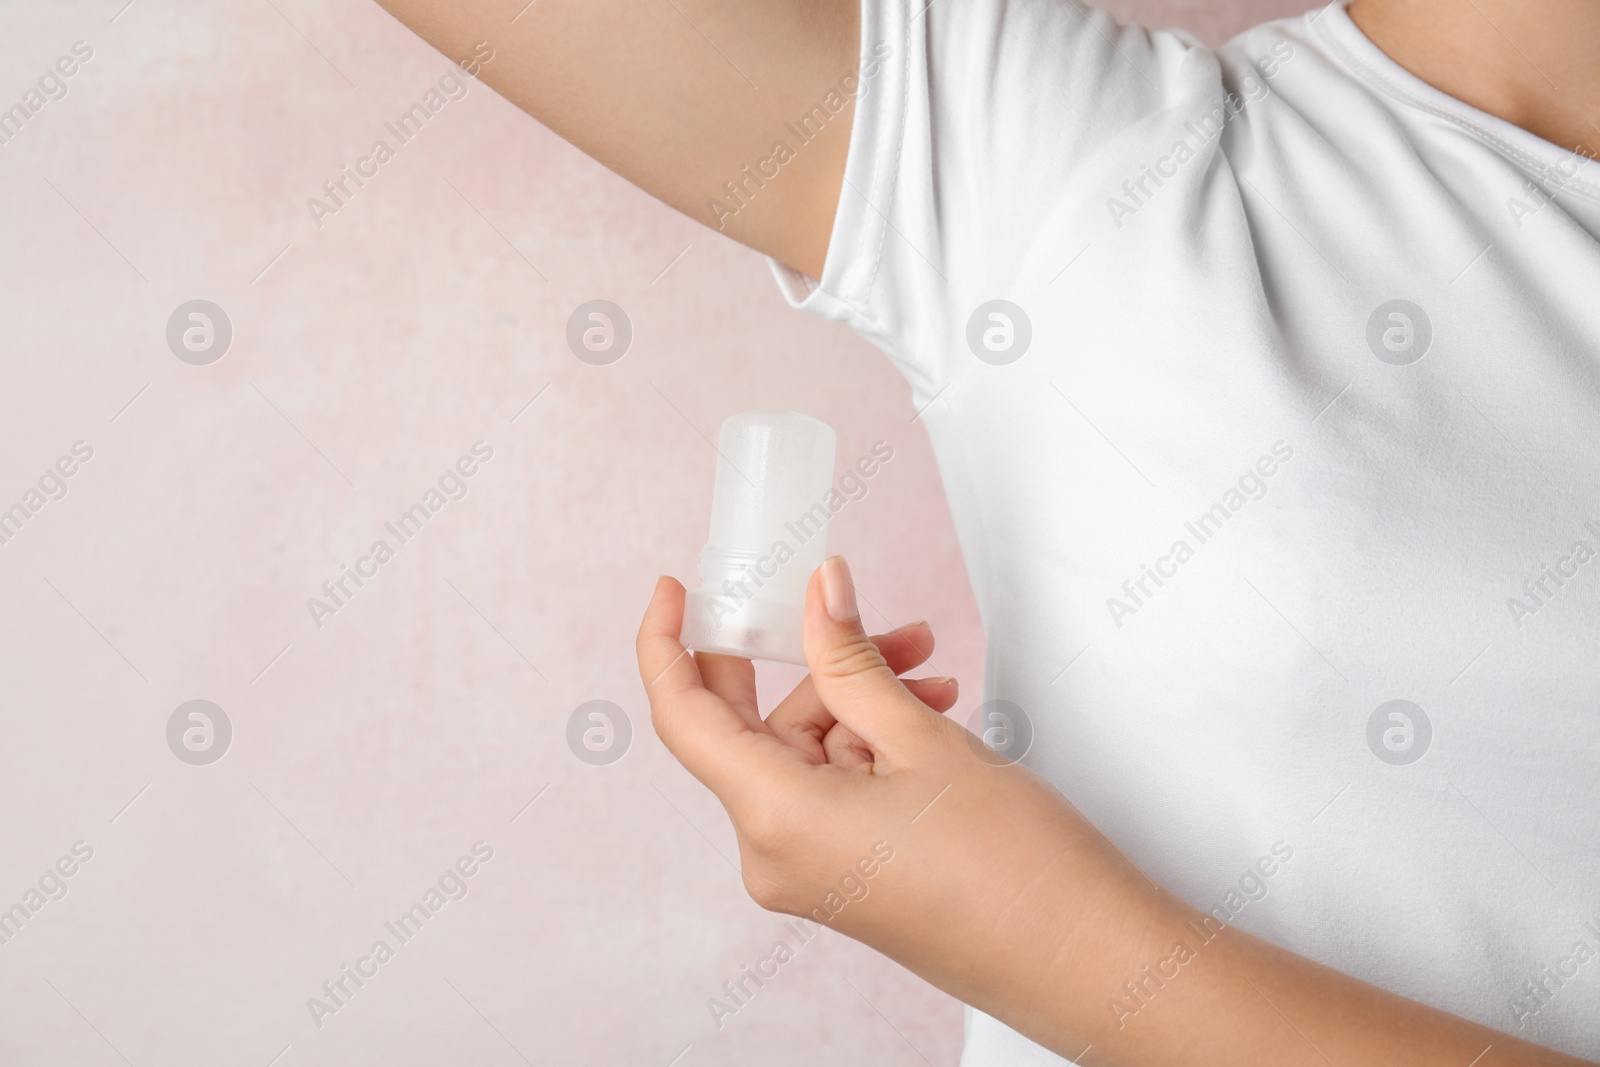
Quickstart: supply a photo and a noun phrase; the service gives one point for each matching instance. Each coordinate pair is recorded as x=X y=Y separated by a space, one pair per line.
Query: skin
x=999 y=891
x=1536 y=68
x=677 y=95
x=1033 y=917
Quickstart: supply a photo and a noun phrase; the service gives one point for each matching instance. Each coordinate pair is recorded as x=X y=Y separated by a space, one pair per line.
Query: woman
x=1263 y=383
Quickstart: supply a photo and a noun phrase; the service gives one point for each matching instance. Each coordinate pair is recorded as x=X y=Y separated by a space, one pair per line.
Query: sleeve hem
x=877 y=132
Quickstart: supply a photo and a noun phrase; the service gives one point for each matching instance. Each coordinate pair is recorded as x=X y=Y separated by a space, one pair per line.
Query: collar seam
x=1536 y=169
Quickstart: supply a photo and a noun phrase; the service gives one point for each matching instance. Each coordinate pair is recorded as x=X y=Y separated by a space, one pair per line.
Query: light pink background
x=422 y=717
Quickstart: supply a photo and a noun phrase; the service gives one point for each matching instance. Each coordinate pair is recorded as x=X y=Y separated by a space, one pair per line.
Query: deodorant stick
x=769 y=531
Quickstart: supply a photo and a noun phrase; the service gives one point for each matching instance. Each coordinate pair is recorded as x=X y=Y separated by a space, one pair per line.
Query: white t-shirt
x=1301 y=418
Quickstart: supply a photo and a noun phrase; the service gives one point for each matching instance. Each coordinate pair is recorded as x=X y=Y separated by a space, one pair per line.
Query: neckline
x=1534 y=155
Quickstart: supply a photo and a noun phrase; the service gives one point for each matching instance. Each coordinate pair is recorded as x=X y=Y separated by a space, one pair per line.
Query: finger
x=802 y=720
x=664 y=664
x=850 y=674
x=906 y=647
x=940 y=694
x=844 y=749
x=696 y=725
x=732 y=678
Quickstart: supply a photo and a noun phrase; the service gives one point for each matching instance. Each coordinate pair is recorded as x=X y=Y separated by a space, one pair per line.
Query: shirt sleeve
x=974 y=119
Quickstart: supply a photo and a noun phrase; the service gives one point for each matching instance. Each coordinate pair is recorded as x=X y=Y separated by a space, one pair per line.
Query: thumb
x=850 y=674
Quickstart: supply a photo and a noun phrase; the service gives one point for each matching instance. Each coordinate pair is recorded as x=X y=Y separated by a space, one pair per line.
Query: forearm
x=985 y=881
x=1069 y=944
x=1255 y=1001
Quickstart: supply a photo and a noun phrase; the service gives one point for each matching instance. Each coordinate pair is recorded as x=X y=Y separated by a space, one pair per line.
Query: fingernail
x=838 y=591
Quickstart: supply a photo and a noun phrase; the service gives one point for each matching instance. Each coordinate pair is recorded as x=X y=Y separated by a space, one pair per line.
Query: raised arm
x=682 y=98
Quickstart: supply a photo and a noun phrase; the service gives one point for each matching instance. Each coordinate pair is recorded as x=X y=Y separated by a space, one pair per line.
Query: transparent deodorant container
x=769 y=531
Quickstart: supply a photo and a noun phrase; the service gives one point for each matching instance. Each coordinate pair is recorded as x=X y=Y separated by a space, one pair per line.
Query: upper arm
x=681 y=97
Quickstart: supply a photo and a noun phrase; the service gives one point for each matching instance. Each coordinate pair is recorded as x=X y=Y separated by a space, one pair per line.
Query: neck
x=1536 y=67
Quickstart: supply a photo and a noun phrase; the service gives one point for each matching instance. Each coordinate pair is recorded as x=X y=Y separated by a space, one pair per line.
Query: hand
x=859 y=806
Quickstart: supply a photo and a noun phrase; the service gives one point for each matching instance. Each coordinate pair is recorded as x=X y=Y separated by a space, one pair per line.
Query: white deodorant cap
x=769 y=531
